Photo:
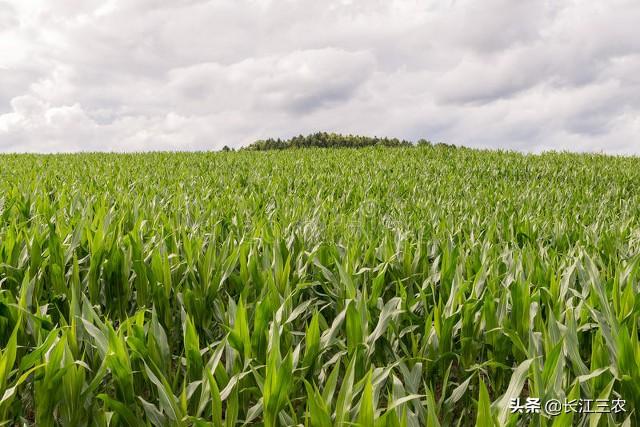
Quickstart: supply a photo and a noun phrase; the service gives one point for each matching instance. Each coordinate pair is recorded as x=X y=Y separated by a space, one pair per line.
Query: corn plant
x=417 y=286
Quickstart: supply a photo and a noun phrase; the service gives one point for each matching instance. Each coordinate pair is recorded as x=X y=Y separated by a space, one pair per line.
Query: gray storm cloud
x=123 y=75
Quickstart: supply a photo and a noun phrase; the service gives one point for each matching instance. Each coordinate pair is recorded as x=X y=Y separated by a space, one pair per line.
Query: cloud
x=195 y=74
x=297 y=82
x=8 y=18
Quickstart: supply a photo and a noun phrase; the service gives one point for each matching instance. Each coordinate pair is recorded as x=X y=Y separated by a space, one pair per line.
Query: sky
x=137 y=75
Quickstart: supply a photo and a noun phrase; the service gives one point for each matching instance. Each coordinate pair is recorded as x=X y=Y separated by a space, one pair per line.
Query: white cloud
x=8 y=18
x=299 y=81
x=120 y=75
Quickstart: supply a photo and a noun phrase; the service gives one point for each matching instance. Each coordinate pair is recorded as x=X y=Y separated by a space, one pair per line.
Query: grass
x=389 y=287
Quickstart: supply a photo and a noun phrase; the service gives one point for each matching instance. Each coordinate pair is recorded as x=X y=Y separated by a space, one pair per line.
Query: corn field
x=423 y=286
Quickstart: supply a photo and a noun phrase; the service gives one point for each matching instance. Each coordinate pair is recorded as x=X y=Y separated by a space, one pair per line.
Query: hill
x=330 y=140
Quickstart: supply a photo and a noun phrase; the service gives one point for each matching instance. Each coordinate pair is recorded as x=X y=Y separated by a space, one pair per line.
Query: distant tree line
x=332 y=140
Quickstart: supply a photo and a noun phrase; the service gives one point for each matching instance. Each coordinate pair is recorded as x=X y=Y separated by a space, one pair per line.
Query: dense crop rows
x=390 y=287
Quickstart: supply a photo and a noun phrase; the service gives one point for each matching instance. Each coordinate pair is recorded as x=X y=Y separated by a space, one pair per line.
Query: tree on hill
x=327 y=140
